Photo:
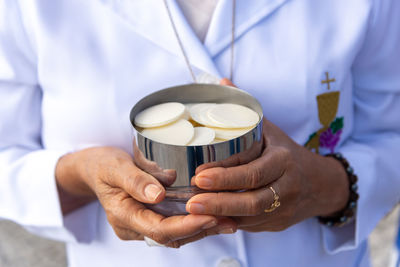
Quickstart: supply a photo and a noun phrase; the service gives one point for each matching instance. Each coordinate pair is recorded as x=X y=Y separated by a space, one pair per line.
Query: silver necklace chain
x=178 y=38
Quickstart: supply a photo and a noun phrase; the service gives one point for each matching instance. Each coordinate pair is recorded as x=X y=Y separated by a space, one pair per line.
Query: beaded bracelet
x=345 y=215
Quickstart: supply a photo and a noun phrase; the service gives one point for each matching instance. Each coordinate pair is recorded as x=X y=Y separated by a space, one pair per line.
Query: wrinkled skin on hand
x=308 y=185
x=109 y=175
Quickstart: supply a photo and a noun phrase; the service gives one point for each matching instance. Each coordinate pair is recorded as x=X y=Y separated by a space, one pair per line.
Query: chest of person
x=295 y=57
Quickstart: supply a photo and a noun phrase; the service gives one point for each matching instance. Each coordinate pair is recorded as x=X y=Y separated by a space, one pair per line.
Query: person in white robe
x=71 y=70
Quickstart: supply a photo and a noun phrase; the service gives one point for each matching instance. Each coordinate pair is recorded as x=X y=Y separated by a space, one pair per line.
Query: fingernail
x=196 y=208
x=228 y=230
x=209 y=225
x=152 y=192
x=204 y=182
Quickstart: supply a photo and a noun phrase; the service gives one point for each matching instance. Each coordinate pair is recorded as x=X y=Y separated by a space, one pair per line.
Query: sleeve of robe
x=28 y=192
x=373 y=148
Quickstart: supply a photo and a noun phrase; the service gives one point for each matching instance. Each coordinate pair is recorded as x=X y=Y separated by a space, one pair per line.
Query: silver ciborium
x=174 y=165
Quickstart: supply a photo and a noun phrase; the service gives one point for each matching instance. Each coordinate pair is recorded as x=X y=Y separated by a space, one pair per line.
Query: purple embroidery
x=329 y=140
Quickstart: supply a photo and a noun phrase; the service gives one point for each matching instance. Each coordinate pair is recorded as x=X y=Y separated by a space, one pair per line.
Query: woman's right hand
x=110 y=175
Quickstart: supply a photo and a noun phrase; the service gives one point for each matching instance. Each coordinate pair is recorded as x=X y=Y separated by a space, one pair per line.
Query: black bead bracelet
x=344 y=216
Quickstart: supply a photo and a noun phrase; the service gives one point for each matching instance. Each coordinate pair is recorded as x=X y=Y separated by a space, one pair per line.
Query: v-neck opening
x=198 y=15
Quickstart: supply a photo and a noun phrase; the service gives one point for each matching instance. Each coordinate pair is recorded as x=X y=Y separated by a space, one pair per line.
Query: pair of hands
x=308 y=185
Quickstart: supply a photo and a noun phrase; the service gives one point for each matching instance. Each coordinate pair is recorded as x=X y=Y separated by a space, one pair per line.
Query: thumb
x=139 y=184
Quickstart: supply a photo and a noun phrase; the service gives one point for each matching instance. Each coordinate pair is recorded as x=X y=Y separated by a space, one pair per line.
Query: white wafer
x=198 y=113
x=159 y=115
x=190 y=105
x=202 y=136
x=177 y=133
x=186 y=114
x=231 y=116
x=228 y=134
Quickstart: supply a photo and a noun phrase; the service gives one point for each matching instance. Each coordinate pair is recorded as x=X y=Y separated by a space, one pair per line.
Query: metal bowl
x=174 y=165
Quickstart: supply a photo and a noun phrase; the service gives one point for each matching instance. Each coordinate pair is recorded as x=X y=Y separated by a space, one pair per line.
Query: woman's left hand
x=307 y=184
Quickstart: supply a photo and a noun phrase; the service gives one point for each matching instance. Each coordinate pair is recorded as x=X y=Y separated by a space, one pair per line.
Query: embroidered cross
x=328 y=81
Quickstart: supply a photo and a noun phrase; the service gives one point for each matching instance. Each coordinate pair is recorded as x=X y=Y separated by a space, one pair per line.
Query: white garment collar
x=149 y=18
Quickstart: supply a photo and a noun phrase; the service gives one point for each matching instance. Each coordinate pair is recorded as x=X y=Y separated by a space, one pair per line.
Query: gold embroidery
x=327 y=109
x=328 y=81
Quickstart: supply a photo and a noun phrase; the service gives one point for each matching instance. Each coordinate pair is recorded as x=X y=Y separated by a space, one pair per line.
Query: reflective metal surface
x=174 y=166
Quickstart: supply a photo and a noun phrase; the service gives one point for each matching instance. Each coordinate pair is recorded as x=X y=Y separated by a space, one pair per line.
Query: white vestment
x=70 y=71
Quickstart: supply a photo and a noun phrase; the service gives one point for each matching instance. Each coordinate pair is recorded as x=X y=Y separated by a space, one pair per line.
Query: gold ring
x=276 y=202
